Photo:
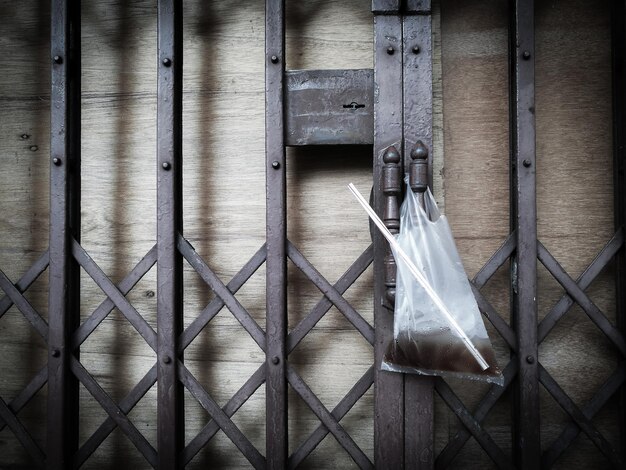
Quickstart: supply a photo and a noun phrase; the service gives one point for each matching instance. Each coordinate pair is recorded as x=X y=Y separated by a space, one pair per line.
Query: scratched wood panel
x=224 y=200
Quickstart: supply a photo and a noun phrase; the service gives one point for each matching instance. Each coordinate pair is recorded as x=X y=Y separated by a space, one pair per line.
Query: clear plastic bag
x=425 y=340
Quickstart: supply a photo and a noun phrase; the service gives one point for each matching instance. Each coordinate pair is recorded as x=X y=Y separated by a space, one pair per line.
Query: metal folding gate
x=389 y=108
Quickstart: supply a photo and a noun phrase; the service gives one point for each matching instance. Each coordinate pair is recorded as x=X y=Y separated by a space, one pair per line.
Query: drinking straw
x=419 y=277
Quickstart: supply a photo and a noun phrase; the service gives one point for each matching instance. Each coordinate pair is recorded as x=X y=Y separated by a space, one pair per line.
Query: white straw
x=419 y=277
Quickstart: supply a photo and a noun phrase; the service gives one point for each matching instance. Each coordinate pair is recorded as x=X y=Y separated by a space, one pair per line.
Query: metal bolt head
x=56 y=353
x=391 y=155
x=167 y=359
x=420 y=151
x=274 y=59
x=275 y=165
x=275 y=360
x=167 y=61
x=33 y=148
x=527 y=163
x=390 y=50
x=56 y=161
x=166 y=166
x=416 y=49
x=530 y=359
x=24 y=136
x=57 y=59
x=526 y=55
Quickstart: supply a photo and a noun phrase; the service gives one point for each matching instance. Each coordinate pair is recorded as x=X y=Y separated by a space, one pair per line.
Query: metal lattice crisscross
x=116 y=298
x=225 y=297
x=473 y=422
x=9 y=411
x=573 y=290
x=333 y=296
x=221 y=417
x=581 y=418
x=397 y=120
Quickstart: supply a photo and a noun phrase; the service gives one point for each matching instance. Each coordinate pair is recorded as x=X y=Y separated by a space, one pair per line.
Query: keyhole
x=353 y=105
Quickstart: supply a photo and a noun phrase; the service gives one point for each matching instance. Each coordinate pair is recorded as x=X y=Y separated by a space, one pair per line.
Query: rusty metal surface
x=386 y=7
x=388 y=387
x=422 y=7
x=527 y=439
x=329 y=107
x=276 y=209
x=63 y=314
x=417 y=141
x=170 y=407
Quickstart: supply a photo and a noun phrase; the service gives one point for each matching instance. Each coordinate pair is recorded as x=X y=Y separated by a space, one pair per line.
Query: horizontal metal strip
x=331 y=423
x=592 y=311
x=331 y=293
x=603 y=258
x=452 y=448
x=107 y=305
x=223 y=421
x=329 y=107
x=497 y=259
x=22 y=434
x=27 y=393
x=579 y=417
x=208 y=431
x=323 y=305
x=342 y=408
x=113 y=293
x=30 y=276
x=216 y=304
x=472 y=425
x=571 y=431
x=24 y=306
x=114 y=411
x=126 y=405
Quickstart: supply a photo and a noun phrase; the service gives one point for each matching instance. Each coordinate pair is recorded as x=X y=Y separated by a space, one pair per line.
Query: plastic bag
x=425 y=340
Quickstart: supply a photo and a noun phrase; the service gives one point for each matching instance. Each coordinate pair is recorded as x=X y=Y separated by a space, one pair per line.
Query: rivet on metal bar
x=392 y=177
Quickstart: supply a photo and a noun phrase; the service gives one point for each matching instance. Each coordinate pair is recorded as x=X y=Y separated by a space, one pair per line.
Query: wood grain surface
x=224 y=206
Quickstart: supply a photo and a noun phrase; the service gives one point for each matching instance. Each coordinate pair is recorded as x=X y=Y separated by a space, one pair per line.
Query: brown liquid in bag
x=441 y=353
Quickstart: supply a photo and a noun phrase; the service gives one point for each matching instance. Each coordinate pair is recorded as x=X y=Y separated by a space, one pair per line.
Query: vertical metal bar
x=276 y=194
x=170 y=406
x=63 y=312
x=388 y=387
x=417 y=143
x=527 y=442
x=618 y=17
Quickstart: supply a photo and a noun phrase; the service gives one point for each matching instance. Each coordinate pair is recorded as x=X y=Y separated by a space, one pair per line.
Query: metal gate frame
x=397 y=121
